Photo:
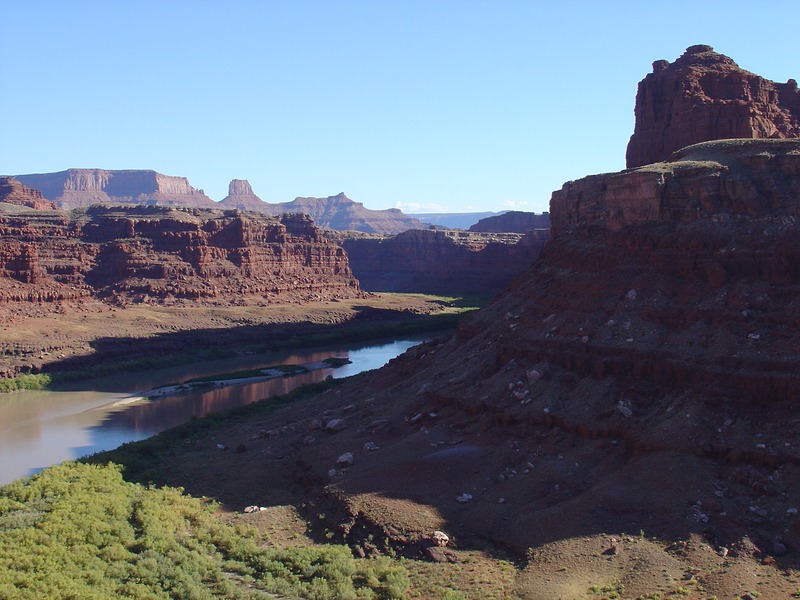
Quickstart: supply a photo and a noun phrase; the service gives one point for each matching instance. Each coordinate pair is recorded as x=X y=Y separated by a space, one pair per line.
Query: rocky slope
x=75 y=188
x=625 y=414
x=14 y=192
x=165 y=255
x=513 y=221
x=442 y=262
x=646 y=339
x=704 y=96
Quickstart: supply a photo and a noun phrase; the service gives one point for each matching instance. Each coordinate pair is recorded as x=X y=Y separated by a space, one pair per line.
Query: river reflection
x=39 y=429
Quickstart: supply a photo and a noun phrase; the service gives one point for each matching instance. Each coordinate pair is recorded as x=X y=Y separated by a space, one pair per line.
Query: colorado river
x=39 y=429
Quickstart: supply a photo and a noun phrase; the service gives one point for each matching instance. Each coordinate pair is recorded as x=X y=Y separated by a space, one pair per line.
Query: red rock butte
x=705 y=96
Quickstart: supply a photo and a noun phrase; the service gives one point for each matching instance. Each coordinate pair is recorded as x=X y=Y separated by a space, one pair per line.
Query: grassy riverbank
x=40 y=381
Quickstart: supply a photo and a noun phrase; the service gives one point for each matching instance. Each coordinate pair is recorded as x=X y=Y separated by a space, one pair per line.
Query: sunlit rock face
x=75 y=188
x=704 y=96
x=163 y=255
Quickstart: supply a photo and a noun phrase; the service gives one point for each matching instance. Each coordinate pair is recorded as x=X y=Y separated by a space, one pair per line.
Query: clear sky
x=424 y=105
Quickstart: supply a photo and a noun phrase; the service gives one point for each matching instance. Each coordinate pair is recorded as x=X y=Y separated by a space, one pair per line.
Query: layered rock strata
x=14 y=192
x=75 y=188
x=643 y=374
x=513 y=221
x=154 y=254
x=444 y=262
x=705 y=96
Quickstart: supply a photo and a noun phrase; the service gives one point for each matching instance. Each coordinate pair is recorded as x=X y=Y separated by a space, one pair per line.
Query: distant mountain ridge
x=76 y=188
x=333 y=212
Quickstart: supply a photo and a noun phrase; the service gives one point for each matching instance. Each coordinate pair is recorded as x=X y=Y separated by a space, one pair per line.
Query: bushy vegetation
x=25 y=382
x=81 y=531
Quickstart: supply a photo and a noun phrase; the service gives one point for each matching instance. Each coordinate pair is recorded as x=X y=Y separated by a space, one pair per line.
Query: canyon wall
x=513 y=221
x=705 y=96
x=727 y=179
x=642 y=374
x=167 y=255
x=424 y=260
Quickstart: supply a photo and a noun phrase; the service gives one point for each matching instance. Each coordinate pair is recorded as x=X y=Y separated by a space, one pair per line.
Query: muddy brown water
x=42 y=428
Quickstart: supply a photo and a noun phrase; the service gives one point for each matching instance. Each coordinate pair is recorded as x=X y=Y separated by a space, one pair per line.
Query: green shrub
x=25 y=382
x=80 y=531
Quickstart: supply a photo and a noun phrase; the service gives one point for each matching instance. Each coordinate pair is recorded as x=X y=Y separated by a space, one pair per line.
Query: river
x=43 y=428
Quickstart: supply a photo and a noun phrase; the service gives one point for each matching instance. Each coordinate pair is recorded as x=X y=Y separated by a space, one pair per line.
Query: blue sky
x=429 y=106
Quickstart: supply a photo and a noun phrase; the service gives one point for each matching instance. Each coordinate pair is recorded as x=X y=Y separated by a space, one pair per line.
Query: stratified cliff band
x=705 y=96
x=160 y=254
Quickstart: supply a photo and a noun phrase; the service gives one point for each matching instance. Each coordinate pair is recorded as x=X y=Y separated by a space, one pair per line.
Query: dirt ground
x=69 y=337
x=552 y=515
x=539 y=512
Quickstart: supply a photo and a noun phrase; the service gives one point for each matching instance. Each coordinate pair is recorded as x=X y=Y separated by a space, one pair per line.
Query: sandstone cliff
x=75 y=188
x=14 y=192
x=158 y=254
x=513 y=221
x=643 y=374
x=444 y=262
x=705 y=96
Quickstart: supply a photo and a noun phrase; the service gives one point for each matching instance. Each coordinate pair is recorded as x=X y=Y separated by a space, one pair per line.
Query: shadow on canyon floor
x=111 y=355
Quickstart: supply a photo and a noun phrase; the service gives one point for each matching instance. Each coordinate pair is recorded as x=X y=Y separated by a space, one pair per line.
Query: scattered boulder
x=441 y=555
x=345 y=460
x=440 y=538
x=335 y=425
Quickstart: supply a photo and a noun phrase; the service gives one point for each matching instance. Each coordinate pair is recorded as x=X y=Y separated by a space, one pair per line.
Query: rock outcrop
x=167 y=255
x=14 y=192
x=646 y=363
x=445 y=262
x=705 y=96
x=726 y=179
x=241 y=197
x=513 y=221
x=76 y=188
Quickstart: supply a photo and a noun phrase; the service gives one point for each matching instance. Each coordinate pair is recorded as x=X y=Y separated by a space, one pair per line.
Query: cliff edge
x=705 y=96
